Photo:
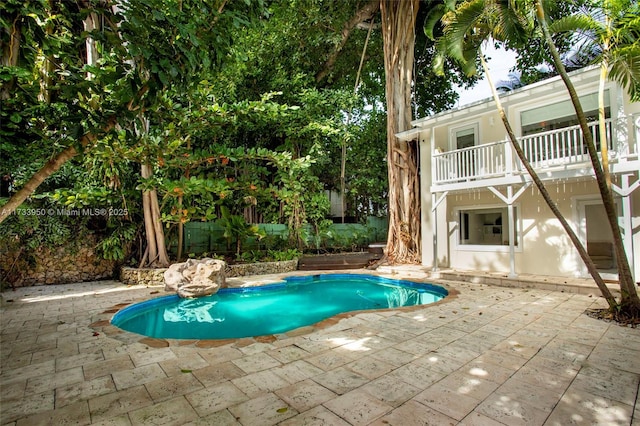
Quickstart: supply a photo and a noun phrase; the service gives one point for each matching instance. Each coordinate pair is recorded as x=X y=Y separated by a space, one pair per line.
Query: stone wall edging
x=61 y=265
x=155 y=276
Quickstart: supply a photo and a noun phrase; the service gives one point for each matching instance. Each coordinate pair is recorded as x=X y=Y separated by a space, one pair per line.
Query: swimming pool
x=271 y=309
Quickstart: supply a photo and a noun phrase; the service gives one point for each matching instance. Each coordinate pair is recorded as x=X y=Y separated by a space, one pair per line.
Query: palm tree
x=614 y=28
x=466 y=28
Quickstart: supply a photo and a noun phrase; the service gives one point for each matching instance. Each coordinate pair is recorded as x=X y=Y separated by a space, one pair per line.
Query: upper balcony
x=553 y=154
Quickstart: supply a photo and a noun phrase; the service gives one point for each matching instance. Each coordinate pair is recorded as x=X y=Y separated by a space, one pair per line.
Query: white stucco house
x=480 y=209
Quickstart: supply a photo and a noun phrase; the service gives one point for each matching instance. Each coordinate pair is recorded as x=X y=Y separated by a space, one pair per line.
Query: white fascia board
x=553 y=85
x=409 y=135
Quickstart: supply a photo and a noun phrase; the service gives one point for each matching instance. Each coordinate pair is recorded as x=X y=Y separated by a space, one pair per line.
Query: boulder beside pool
x=195 y=278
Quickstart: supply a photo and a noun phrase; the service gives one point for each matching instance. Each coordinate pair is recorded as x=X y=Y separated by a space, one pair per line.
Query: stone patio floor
x=490 y=356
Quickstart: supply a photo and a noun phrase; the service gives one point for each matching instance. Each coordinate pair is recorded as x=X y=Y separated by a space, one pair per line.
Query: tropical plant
x=236 y=229
x=620 y=55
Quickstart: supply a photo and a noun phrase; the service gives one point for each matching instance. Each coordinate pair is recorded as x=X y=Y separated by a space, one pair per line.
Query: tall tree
x=147 y=46
x=630 y=302
x=398 y=32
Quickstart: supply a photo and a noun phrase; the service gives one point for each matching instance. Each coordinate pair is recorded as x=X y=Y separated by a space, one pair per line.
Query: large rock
x=195 y=278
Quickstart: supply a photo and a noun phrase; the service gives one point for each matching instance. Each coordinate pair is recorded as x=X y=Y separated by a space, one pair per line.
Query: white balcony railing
x=562 y=148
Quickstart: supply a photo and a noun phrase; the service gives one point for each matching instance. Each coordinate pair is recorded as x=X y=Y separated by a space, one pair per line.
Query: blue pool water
x=271 y=309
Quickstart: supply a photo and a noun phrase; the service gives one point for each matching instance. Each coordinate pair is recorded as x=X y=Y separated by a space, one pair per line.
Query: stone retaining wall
x=155 y=276
x=58 y=266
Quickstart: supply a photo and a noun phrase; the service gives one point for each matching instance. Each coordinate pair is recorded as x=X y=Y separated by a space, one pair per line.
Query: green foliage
x=39 y=225
x=283 y=255
x=228 y=129
x=115 y=245
x=607 y=32
x=236 y=229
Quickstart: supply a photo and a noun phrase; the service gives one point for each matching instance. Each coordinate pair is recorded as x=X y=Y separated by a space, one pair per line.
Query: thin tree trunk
x=629 y=296
x=10 y=53
x=47 y=170
x=361 y=15
x=343 y=155
x=154 y=232
x=152 y=247
x=398 y=26
x=10 y=58
x=546 y=196
x=180 y=231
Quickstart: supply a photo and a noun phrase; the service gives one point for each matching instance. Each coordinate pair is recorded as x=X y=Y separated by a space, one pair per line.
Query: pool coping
x=102 y=323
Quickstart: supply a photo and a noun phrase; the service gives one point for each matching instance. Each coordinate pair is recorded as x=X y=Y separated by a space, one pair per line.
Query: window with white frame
x=485 y=226
x=464 y=137
x=561 y=114
x=463 y=164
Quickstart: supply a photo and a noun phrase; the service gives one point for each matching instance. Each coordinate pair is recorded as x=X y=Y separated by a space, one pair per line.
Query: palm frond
x=572 y=23
x=433 y=18
x=625 y=69
x=510 y=25
x=464 y=22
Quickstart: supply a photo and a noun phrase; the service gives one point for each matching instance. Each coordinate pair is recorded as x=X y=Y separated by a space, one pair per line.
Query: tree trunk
x=546 y=196
x=630 y=302
x=180 y=231
x=47 y=170
x=361 y=15
x=398 y=26
x=10 y=58
x=10 y=53
x=154 y=232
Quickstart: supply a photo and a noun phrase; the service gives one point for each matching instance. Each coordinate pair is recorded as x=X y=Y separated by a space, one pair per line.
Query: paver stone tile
x=305 y=395
x=512 y=411
x=288 y=353
x=391 y=390
x=13 y=410
x=66 y=395
x=477 y=419
x=265 y=410
x=174 y=412
x=104 y=368
x=414 y=414
x=257 y=362
x=418 y=374
x=393 y=356
x=449 y=402
x=297 y=371
x=113 y=404
x=370 y=367
x=260 y=382
x=171 y=387
x=218 y=373
x=138 y=376
x=73 y=414
x=219 y=418
x=609 y=383
x=358 y=407
x=340 y=380
x=329 y=360
x=319 y=416
x=212 y=399
x=579 y=408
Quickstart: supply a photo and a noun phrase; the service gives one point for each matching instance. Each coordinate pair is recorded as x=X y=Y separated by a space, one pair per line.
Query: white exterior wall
x=543 y=248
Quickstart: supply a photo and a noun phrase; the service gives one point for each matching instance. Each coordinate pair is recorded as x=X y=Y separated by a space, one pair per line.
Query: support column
x=512 y=234
x=435 y=202
x=625 y=192
x=509 y=200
